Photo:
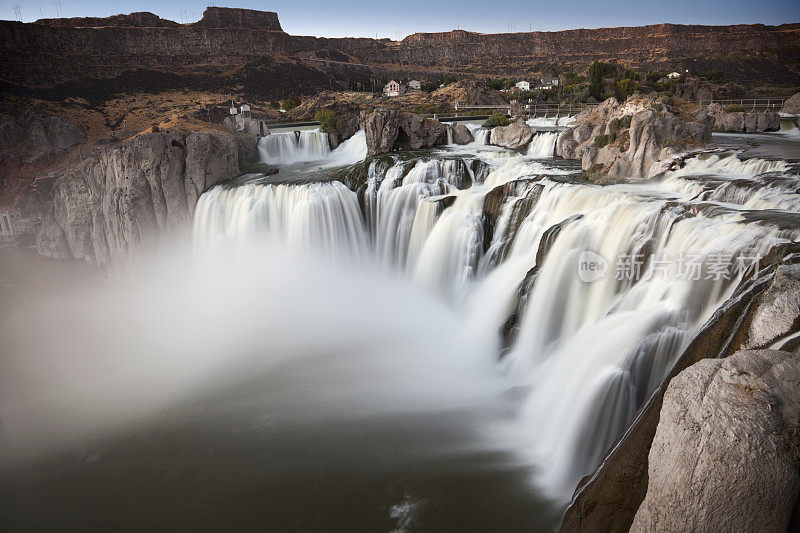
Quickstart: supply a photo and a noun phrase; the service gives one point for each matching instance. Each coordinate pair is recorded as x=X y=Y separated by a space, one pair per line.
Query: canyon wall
x=54 y=53
x=125 y=199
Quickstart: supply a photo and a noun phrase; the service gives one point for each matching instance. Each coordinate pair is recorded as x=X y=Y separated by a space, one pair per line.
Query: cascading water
x=506 y=247
x=543 y=144
x=293 y=147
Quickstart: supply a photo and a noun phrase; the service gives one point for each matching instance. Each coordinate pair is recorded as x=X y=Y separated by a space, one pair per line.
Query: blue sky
x=399 y=18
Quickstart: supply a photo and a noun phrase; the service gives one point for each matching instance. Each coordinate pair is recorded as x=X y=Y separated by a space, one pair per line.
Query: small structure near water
x=241 y=121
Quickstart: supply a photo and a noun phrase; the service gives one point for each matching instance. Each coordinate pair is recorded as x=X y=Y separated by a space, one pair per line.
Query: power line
x=17 y=12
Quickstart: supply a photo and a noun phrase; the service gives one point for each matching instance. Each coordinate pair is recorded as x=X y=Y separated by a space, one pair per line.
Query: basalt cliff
x=237 y=47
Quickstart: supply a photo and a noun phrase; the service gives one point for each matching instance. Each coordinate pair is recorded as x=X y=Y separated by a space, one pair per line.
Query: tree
x=597 y=72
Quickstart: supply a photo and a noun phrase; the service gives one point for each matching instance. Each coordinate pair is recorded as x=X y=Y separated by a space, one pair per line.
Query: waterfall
x=291 y=147
x=543 y=144
x=790 y=127
x=507 y=247
x=548 y=122
x=323 y=217
x=350 y=151
x=482 y=135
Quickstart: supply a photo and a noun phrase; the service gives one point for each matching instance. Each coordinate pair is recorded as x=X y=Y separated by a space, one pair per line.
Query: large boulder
x=385 y=128
x=381 y=128
x=733 y=121
x=727 y=446
x=792 y=105
x=462 y=135
x=634 y=140
x=694 y=90
x=123 y=199
x=420 y=132
x=777 y=313
x=768 y=122
x=738 y=121
x=514 y=136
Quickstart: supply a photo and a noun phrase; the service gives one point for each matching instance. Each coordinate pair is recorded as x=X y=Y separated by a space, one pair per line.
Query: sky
x=368 y=18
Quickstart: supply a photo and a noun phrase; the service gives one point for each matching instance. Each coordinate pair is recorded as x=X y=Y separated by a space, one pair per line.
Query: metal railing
x=531 y=109
x=752 y=104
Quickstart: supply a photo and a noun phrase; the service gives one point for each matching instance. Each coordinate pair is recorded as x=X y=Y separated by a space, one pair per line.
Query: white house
x=523 y=86
x=674 y=75
x=394 y=88
x=415 y=85
x=548 y=82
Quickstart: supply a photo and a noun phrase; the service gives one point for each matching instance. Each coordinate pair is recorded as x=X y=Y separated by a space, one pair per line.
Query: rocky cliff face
x=725 y=454
x=630 y=140
x=29 y=141
x=119 y=202
x=733 y=49
x=126 y=51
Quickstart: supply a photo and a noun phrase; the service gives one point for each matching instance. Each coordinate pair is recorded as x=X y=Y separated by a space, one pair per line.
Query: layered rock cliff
x=119 y=202
x=100 y=56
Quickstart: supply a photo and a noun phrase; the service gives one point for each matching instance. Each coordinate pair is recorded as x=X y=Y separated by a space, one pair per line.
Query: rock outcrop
x=626 y=141
x=777 y=314
x=694 y=90
x=739 y=121
x=33 y=135
x=471 y=92
x=727 y=447
x=792 y=105
x=386 y=128
x=462 y=135
x=122 y=200
x=514 y=136
x=29 y=143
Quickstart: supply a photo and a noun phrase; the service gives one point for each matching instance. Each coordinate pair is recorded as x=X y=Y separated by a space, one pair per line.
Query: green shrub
x=155 y=128
x=327 y=119
x=290 y=103
x=618 y=124
x=497 y=119
x=735 y=108
x=601 y=140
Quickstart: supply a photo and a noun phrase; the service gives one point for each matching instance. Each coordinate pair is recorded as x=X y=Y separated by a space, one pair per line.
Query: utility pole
x=17 y=13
